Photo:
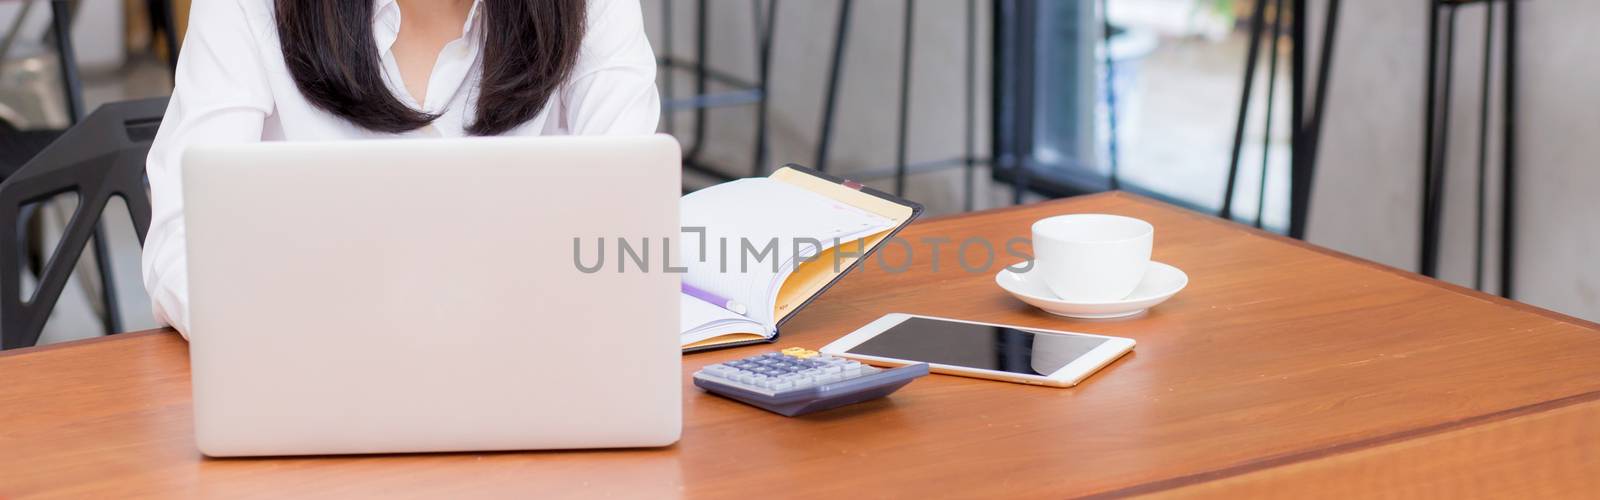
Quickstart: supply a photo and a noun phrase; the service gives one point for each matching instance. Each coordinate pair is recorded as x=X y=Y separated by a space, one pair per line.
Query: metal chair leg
x=1258 y=21
x=701 y=27
x=970 y=114
x=1483 y=143
x=1432 y=220
x=1266 y=124
x=108 y=286
x=907 y=42
x=1111 y=95
x=1508 y=151
x=1297 y=105
x=1302 y=173
x=1430 y=102
x=667 y=90
x=830 y=99
x=61 y=16
x=745 y=91
x=766 y=25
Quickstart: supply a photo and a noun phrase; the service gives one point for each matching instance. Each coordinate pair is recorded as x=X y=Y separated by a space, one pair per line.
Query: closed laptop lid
x=426 y=295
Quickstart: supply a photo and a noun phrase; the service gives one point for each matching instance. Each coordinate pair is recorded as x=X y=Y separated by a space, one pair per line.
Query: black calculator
x=797 y=381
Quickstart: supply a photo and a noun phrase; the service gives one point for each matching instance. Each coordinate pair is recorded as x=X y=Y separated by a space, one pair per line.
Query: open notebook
x=771 y=245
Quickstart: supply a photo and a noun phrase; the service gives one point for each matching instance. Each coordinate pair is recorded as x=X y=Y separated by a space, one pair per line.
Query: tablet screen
x=984 y=347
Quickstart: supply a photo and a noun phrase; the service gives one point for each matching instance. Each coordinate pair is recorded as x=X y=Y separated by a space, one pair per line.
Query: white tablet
x=982 y=350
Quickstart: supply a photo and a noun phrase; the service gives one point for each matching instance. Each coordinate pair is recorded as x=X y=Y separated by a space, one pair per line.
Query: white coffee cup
x=1091 y=257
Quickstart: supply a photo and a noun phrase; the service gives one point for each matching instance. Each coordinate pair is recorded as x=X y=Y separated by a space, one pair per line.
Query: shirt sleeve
x=613 y=87
x=220 y=95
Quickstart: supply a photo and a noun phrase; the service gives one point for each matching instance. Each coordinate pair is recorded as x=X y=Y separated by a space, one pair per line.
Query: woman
x=255 y=70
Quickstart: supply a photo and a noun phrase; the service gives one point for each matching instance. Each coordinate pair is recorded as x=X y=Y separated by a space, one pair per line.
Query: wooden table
x=1281 y=368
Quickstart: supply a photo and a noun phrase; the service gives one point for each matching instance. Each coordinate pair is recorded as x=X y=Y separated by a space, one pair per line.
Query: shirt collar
x=386 y=22
x=472 y=18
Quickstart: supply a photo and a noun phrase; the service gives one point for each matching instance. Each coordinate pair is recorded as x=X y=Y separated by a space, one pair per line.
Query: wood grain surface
x=1548 y=454
x=1278 y=355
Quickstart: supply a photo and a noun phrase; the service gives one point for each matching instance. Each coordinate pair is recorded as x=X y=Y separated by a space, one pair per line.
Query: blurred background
x=1393 y=146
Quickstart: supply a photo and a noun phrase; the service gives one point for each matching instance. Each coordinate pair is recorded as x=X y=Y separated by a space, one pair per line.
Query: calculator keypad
x=791 y=369
x=796 y=381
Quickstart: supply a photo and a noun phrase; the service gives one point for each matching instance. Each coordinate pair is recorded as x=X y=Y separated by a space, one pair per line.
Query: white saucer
x=1161 y=282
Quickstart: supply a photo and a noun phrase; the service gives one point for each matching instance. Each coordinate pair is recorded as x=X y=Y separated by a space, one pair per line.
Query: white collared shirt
x=233 y=86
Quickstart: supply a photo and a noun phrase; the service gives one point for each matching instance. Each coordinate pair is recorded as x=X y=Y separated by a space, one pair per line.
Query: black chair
x=741 y=92
x=95 y=159
x=902 y=167
x=1436 y=138
x=16 y=148
x=101 y=157
x=19 y=146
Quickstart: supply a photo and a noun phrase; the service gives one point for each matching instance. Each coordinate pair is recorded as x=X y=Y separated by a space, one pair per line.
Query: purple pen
x=730 y=305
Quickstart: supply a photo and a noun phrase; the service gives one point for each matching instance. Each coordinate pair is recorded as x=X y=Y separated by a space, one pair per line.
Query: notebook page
x=699 y=320
x=821 y=264
x=751 y=226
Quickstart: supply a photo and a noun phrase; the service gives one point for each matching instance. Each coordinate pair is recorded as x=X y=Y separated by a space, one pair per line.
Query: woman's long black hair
x=530 y=47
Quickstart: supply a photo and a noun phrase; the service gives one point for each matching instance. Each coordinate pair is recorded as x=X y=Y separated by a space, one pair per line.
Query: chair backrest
x=101 y=157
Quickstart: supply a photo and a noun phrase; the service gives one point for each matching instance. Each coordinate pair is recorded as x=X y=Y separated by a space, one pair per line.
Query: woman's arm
x=221 y=96
x=613 y=86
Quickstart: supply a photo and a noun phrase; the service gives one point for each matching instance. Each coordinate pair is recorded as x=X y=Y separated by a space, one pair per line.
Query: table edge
x=1291 y=458
x=1170 y=483
x=1477 y=294
x=87 y=341
x=1192 y=214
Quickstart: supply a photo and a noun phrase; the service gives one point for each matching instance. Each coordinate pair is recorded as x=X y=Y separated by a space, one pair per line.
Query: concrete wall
x=865 y=129
x=1367 y=198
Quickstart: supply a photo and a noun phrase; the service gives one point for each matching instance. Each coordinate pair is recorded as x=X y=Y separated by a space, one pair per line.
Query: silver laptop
x=425 y=295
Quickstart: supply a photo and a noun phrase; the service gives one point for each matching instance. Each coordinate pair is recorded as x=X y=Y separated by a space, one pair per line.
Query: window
x=1176 y=68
